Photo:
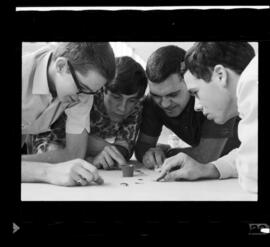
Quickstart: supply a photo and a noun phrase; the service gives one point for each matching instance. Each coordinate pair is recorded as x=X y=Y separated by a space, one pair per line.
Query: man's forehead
x=93 y=78
x=91 y=74
x=128 y=96
x=165 y=88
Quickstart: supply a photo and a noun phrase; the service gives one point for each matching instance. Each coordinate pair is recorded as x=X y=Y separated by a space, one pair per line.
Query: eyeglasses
x=80 y=86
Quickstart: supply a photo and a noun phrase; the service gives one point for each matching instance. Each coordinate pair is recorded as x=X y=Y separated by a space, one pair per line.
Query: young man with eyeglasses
x=114 y=119
x=170 y=104
x=55 y=79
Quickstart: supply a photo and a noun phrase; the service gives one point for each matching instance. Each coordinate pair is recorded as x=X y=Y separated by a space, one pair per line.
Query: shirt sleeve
x=226 y=165
x=78 y=115
x=151 y=123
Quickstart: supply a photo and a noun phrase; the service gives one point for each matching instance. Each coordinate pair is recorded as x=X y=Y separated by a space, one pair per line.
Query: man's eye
x=172 y=95
x=133 y=100
x=156 y=96
x=116 y=96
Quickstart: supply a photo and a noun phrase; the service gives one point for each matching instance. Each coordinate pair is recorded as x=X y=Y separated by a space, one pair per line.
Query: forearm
x=95 y=145
x=34 y=172
x=208 y=150
x=202 y=157
x=192 y=152
x=55 y=156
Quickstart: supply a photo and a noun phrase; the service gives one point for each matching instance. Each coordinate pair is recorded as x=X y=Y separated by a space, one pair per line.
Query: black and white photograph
x=139 y=121
x=143 y=119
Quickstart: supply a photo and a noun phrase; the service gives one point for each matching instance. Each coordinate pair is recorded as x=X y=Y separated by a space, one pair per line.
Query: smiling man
x=223 y=76
x=55 y=79
x=170 y=104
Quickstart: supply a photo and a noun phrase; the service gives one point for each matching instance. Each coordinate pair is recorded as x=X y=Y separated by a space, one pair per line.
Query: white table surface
x=146 y=190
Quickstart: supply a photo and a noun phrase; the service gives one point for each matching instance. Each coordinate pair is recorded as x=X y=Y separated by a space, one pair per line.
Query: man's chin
x=172 y=113
x=219 y=120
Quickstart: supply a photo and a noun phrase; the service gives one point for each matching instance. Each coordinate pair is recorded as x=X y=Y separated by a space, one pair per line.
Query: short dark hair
x=202 y=57
x=129 y=79
x=88 y=55
x=164 y=62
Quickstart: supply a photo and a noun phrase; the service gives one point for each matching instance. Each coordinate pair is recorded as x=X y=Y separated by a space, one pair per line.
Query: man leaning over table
x=223 y=76
x=55 y=79
x=170 y=104
x=114 y=119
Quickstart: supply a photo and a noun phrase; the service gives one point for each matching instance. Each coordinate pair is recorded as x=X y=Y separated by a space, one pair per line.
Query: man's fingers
x=94 y=172
x=99 y=180
x=84 y=173
x=75 y=176
x=172 y=162
x=164 y=170
x=102 y=162
x=159 y=158
x=151 y=159
x=107 y=158
x=78 y=179
x=115 y=154
x=98 y=166
x=175 y=176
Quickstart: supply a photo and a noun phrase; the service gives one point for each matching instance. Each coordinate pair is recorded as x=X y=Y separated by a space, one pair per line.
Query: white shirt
x=39 y=110
x=243 y=161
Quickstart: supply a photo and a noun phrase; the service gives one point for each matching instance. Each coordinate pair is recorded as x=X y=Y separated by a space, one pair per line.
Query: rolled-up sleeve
x=78 y=116
x=226 y=165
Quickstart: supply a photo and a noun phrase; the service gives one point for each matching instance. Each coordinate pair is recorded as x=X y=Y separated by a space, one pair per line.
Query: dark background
x=142 y=220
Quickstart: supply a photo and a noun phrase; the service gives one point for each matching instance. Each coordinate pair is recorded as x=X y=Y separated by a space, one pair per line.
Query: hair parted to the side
x=164 y=62
x=202 y=57
x=84 y=56
x=129 y=79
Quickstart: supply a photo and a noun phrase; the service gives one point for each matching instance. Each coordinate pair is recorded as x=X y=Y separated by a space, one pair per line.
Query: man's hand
x=72 y=173
x=154 y=157
x=108 y=158
x=186 y=168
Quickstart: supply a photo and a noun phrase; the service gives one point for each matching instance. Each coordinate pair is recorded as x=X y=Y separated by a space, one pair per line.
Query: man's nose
x=197 y=105
x=122 y=106
x=165 y=102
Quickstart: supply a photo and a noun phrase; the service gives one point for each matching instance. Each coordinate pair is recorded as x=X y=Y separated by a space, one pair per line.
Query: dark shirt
x=190 y=126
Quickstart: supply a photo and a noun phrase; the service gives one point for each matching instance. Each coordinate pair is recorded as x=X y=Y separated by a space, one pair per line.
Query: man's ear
x=221 y=74
x=61 y=65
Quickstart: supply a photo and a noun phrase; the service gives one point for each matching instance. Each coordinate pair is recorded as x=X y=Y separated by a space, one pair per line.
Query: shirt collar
x=40 y=82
